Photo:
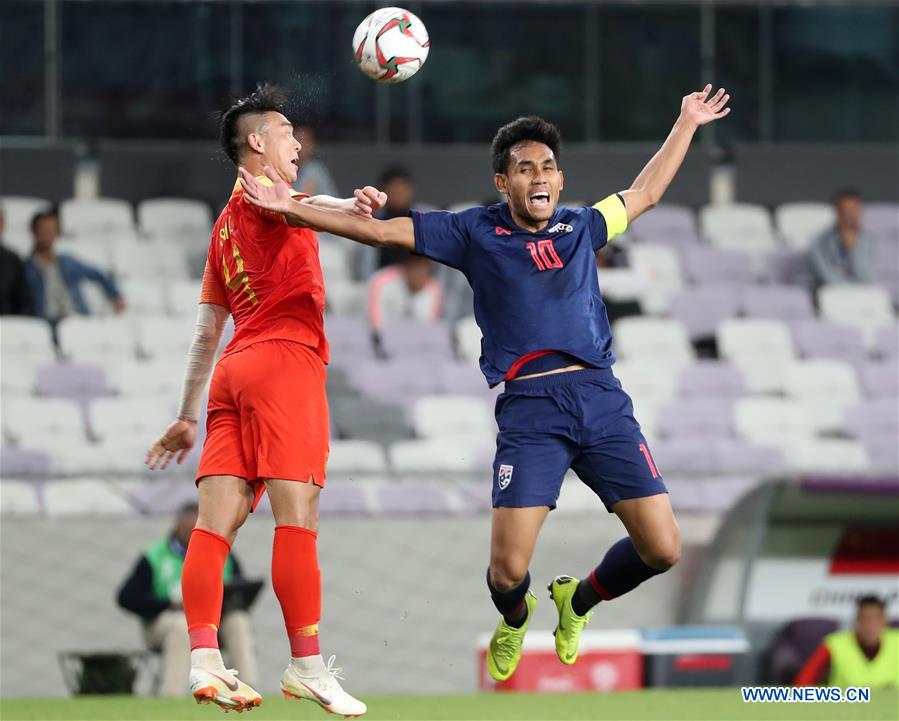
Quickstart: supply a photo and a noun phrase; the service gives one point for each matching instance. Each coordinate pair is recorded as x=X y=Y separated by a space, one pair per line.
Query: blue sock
x=511 y=603
x=620 y=571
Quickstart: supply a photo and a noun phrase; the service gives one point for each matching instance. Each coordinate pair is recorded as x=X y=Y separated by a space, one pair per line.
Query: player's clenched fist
x=369 y=200
x=177 y=440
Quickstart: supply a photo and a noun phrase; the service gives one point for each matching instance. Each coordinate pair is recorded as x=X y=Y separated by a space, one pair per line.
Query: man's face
x=46 y=231
x=869 y=624
x=532 y=181
x=849 y=213
x=400 y=193
x=184 y=524
x=279 y=148
x=417 y=270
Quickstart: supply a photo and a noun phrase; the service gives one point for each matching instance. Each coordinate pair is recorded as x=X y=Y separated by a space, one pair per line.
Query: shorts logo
x=561 y=228
x=505 y=476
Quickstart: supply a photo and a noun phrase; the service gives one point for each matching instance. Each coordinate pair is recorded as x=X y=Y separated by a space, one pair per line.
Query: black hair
x=266 y=98
x=529 y=129
x=42 y=215
x=188 y=507
x=846 y=193
x=870 y=600
x=395 y=172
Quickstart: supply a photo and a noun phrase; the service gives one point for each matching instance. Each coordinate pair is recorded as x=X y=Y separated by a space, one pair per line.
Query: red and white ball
x=391 y=45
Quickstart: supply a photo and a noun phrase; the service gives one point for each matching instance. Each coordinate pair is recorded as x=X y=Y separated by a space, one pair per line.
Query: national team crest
x=505 y=476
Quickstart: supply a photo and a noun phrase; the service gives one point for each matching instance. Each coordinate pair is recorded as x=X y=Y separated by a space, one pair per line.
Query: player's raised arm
x=697 y=109
x=397 y=232
x=364 y=203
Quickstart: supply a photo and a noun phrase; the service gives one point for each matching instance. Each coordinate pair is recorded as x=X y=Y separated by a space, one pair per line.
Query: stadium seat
x=160 y=336
x=99 y=340
x=18 y=211
x=93 y=251
x=144 y=296
x=468 y=338
x=701 y=308
x=26 y=338
x=667 y=223
x=350 y=340
x=825 y=388
x=463 y=205
x=886 y=343
x=800 y=223
x=738 y=226
x=368 y=419
x=131 y=419
x=662 y=339
x=714 y=266
x=881 y=220
x=780 y=302
x=345 y=297
x=824 y=339
x=146 y=260
x=18 y=498
x=786 y=265
x=696 y=418
x=772 y=421
x=98 y=217
x=646 y=380
x=174 y=218
x=873 y=419
x=417 y=458
x=794 y=645
x=711 y=379
x=17 y=461
x=866 y=307
x=86 y=496
x=460 y=378
x=334 y=256
x=659 y=268
x=17 y=376
x=347 y=458
x=762 y=349
x=421 y=339
x=74 y=381
x=162 y=377
x=827 y=455
x=880 y=379
x=454 y=417
x=33 y=421
x=397 y=380
x=701 y=456
x=883 y=454
x=183 y=296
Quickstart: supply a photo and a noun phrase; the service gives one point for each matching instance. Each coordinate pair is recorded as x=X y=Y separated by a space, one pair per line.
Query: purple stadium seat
x=704 y=418
x=883 y=454
x=17 y=461
x=398 y=380
x=873 y=419
x=415 y=498
x=826 y=339
x=704 y=264
x=667 y=223
x=880 y=379
x=781 y=302
x=721 y=455
x=708 y=378
x=786 y=265
x=887 y=343
x=794 y=645
x=417 y=338
x=344 y=498
x=881 y=219
x=737 y=456
x=701 y=308
x=78 y=381
x=460 y=378
x=350 y=340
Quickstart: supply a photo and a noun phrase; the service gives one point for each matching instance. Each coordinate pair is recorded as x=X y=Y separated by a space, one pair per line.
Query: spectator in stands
x=55 y=278
x=843 y=253
x=867 y=655
x=153 y=592
x=399 y=185
x=313 y=178
x=613 y=255
x=15 y=295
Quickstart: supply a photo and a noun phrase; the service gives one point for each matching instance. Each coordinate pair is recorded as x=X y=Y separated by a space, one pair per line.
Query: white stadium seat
x=335 y=261
x=91 y=250
x=18 y=497
x=866 y=307
x=827 y=455
x=800 y=223
x=164 y=262
x=33 y=421
x=98 y=217
x=761 y=348
x=18 y=211
x=161 y=335
x=345 y=297
x=162 y=376
x=660 y=272
x=772 y=421
x=647 y=381
x=419 y=458
x=111 y=458
x=825 y=388
x=100 y=340
x=738 y=226
x=144 y=296
x=183 y=297
x=451 y=417
x=77 y=496
x=26 y=338
x=174 y=218
x=17 y=375
x=468 y=338
x=664 y=340
x=356 y=457
x=131 y=419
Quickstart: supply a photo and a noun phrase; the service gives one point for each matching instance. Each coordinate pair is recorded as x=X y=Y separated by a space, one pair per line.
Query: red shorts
x=268 y=416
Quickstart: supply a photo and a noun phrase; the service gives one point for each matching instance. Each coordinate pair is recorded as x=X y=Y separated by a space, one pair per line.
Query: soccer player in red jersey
x=267 y=423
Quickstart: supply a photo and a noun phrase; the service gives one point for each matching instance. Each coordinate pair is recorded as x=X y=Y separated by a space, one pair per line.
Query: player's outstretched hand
x=177 y=441
x=701 y=109
x=275 y=197
x=369 y=200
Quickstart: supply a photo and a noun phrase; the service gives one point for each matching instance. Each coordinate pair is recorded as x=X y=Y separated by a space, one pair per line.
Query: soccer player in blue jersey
x=531 y=265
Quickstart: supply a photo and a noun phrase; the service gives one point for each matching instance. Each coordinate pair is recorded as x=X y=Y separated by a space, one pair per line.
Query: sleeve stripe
x=615 y=214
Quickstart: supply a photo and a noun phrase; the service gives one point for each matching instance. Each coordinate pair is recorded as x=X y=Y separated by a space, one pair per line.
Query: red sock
x=202 y=587
x=298 y=586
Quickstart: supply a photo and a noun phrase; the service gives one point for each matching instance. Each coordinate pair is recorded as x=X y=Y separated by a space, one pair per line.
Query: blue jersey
x=532 y=291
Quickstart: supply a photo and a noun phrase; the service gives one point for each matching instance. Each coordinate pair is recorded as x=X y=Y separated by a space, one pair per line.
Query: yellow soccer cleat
x=504 y=651
x=568 y=631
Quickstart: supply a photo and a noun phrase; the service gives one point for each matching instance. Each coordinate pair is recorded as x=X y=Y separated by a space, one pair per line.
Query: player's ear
x=501 y=182
x=561 y=180
x=254 y=140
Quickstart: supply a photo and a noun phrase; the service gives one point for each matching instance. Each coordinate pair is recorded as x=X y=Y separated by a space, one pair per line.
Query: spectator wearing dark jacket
x=15 y=295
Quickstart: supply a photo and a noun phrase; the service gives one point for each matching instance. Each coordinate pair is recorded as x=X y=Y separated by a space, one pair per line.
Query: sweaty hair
x=266 y=98
x=870 y=600
x=42 y=215
x=529 y=129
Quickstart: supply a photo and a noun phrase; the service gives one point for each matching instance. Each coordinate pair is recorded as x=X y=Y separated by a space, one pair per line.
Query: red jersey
x=268 y=274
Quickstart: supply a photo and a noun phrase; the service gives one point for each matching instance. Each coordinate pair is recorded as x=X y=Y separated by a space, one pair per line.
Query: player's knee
x=506 y=574
x=663 y=553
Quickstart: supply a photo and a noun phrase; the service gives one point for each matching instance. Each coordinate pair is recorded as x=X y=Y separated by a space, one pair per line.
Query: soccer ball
x=391 y=45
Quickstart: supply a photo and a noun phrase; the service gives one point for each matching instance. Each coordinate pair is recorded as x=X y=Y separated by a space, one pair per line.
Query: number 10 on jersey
x=544 y=254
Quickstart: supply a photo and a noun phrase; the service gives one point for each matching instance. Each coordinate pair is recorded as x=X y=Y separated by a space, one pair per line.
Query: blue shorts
x=581 y=420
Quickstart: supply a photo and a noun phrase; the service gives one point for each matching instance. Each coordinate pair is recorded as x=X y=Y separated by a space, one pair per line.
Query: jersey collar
x=506 y=215
x=264 y=180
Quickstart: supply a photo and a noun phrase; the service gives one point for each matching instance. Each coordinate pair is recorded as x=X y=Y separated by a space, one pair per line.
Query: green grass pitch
x=654 y=705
